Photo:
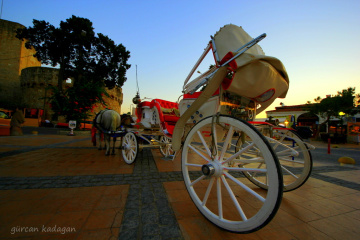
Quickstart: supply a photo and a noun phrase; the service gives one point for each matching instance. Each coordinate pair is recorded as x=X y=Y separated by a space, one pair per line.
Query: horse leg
x=107 y=144
x=113 y=149
x=99 y=137
x=103 y=139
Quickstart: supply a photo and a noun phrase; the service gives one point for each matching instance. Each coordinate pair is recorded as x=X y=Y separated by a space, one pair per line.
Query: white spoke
x=246 y=169
x=288 y=171
x=288 y=152
x=233 y=198
x=278 y=142
x=199 y=153
x=290 y=160
x=248 y=161
x=238 y=153
x=218 y=189
x=193 y=165
x=204 y=143
x=208 y=190
x=226 y=143
x=249 y=190
x=197 y=180
x=214 y=137
x=254 y=175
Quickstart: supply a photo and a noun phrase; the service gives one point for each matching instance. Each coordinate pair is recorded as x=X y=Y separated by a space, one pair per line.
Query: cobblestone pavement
x=152 y=204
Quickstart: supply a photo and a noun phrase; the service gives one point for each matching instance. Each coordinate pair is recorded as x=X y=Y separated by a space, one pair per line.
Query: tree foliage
x=90 y=60
x=332 y=106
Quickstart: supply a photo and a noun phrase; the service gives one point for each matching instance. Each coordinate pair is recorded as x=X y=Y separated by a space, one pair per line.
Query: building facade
x=299 y=114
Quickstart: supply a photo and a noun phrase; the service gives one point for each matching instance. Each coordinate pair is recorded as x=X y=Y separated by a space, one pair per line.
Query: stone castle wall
x=34 y=81
x=13 y=58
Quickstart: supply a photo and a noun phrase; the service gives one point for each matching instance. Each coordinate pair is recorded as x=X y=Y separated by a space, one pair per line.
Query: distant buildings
x=299 y=115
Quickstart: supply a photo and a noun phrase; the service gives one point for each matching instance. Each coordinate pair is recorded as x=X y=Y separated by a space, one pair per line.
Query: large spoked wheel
x=294 y=157
x=166 y=149
x=129 y=147
x=212 y=174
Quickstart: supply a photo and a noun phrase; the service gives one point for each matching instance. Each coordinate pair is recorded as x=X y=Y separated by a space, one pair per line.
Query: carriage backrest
x=230 y=38
x=165 y=104
x=166 y=108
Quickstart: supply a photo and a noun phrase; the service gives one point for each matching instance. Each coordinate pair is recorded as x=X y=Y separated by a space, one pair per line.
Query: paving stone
x=147 y=213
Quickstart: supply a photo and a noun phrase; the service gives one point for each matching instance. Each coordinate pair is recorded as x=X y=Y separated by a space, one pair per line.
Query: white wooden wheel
x=294 y=157
x=212 y=174
x=129 y=147
x=166 y=150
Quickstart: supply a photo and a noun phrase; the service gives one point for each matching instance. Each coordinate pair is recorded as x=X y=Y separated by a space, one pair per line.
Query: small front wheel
x=165 y=148
x=129 y=147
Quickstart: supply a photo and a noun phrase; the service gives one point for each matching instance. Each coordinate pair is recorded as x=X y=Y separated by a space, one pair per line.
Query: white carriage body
x=253 y=82
x=256 y=80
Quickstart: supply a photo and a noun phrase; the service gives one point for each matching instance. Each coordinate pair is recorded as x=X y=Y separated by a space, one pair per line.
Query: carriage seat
x=168 y=113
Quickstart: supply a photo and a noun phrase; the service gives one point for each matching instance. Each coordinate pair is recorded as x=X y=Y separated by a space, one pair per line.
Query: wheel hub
x=214 y=168
x=208 y=169
x=127 y=146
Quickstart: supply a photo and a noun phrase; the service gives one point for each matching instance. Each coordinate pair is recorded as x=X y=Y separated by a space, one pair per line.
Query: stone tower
x=14 y=57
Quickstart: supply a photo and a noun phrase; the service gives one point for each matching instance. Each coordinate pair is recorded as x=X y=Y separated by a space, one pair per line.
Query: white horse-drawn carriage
x=220 y=142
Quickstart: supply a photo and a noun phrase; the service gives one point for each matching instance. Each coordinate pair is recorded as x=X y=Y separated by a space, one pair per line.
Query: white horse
x=106 y=122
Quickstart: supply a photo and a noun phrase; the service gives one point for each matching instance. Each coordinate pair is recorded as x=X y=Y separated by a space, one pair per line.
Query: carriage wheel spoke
x=226 y=142
x=219 y=197
x=197 y=180
x=204 y=143
x=214 y=143
x=241 y=151
x=249 y=190
x=289 y=172
x=199 y=153
x=233 y=198
x=291 y=161
x=208 y=190
x=255 y=170
x=193 y=165
x=279 y=141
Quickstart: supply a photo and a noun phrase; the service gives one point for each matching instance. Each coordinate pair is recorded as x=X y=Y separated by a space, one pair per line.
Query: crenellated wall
x=39 y=77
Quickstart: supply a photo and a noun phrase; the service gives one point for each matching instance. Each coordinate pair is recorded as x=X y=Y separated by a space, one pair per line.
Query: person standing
x=16 y=121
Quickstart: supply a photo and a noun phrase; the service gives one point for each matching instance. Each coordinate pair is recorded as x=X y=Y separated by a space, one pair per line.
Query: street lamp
x=286 y=122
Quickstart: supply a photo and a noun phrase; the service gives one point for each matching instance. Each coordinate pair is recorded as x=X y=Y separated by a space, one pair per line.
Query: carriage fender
x=212 y=86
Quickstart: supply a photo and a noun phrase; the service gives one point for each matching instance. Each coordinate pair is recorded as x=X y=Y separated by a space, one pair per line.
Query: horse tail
x=114 y=121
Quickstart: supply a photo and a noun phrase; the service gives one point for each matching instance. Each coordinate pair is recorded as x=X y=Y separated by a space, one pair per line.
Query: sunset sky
x=317 y=40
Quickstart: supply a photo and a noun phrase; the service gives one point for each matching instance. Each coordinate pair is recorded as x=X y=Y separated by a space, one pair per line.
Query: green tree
x=332 y=106
x=92 y=61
